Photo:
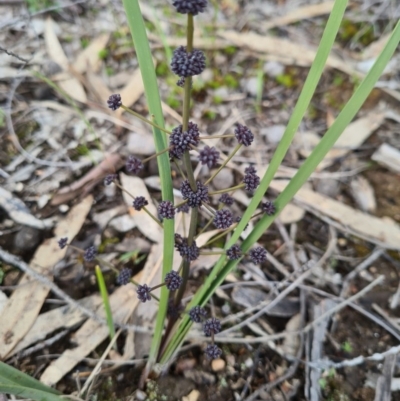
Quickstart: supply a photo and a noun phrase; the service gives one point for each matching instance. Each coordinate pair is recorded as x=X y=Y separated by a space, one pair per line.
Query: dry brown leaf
x=89 y=57
x=25 y=303
x=353 y=136
x=70 y=85
x=98 y=87
x=363 y=193
x=291 y=214
x=300 y=13
x=56 y=319
x=284 y=50
x=91 y=334
x=388 y=156
x=371 y=228
x=136 y=187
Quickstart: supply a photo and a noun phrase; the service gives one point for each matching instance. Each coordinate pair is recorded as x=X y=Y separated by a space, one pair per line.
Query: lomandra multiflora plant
x=185 y=145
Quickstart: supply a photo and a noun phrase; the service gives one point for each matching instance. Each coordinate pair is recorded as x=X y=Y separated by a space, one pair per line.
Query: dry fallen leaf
x=25 y=303
x=89 y=57
x=371 y=228
x=363 y=193
x=70 y=85
x=388 y=156
x=136 y=187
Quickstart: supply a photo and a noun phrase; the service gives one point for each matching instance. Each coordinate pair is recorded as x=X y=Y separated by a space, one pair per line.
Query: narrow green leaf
x=106 y=301
x=12 y=376
x=26 y=392
x=143 y=52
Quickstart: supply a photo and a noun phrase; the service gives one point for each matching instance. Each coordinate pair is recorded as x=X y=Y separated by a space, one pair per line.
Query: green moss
x=85 y=43
x=110 y=71
x=285 y=80
x=218 y=99
x=103 y=54
x=173 y=102
x=230 y=50
x=210 y=115
x=230 y=81
x=162 y=69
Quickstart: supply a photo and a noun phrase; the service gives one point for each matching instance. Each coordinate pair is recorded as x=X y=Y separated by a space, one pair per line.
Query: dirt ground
x=334 y=252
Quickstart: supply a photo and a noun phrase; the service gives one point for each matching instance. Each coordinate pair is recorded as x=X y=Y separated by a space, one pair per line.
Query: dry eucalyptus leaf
x=363 y=193
x=388 y=156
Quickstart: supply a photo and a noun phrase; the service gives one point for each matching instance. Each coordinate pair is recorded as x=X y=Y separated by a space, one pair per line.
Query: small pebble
x=63 y=208
x=217 y=365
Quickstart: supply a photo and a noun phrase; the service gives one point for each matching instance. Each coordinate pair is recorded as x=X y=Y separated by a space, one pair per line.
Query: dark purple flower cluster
x=124 y=276
x=143 y=292
x=183 y=208
x=63 y=242
x=268 y=207
x=190 y=6
x=186 y=64
x=180 y=142
x=173 y=280
x=189 y=252
x=211 y=326
x=223 y=219
x=251 y=179
x=114 y=102
x=258 y=255
x=234 y=252
x=212 y=351
x=166 y=210
x=90 y=253
x=134 y=165
x=244 y=136
x=209 y=156
x=226 y=199
x=194 y=199
x=139 y=203
x=197 y=314
x=110 y=178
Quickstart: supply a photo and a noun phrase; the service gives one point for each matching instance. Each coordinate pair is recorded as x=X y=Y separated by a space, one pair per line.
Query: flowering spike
x=226 y=199
x=124 y=276
x=223 y=219
x=180 y=142
x=90 y=253
x=134 y=165
x=139 y=203
x=114 y=102
x=166 y=210
x=195 y=199
x=251 y=179
x=212 y=351
x=197 y=314
x=268 y=208
x=110 y=178
x=234 y=252
x=211 y=326
x=186 y=64
x=190 y=6
x=143 y=292
x=173 y=280
x=63 y=242
x=258 y=255
x=244 y=136
x=209 y=156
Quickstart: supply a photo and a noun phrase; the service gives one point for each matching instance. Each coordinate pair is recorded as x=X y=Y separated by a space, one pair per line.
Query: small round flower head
x=258 y=254
x=197 y=314
x=209 y=156
x=166 y=210
x=114 y=102
x=244 y=136
x=211 y=326
x=180 y=142
x=110 y=178
x=234 y=252
x=212 y=351
x=139 y=203
x=173 y=280
x=143 y=292
x=181 y=82
x=134 y=165
x=190 y=252
x=63 y=242
x=226 y=199
x=124 y=276
x=190 y=6
x=268 y=207
x=90 y=253
x=173 y=311
x=223 y=219
x=251 y=179
x=186 y=64
x=183 y=208
x=195 y=199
